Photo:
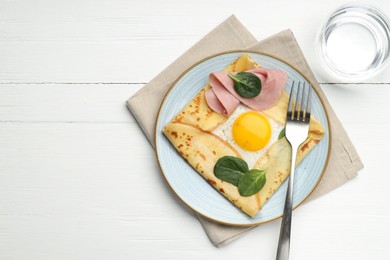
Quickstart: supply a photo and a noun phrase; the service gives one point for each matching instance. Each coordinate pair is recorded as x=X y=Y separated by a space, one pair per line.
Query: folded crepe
x=190 y=132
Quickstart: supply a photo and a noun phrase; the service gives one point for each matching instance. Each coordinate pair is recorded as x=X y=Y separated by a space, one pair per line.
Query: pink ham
x=225 y=107
x=223 y=99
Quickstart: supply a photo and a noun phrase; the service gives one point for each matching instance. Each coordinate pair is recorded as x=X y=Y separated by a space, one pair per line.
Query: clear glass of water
x=353 y=43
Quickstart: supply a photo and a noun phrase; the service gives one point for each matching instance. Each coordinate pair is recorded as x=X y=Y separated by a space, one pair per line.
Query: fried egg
x=250 y=132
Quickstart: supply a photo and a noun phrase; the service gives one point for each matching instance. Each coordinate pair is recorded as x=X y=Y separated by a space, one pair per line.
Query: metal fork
x=297 y=128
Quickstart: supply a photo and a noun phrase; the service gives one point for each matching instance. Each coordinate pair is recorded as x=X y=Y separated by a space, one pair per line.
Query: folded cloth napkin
x=344 y=162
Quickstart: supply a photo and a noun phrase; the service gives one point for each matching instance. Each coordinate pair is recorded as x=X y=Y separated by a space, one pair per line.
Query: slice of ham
x=223 y=99
x=225 y=107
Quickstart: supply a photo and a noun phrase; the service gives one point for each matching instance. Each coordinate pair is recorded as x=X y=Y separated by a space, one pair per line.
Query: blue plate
x=191 y=188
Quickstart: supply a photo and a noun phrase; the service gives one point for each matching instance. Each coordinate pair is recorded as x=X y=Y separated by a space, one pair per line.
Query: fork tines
x=299 y=105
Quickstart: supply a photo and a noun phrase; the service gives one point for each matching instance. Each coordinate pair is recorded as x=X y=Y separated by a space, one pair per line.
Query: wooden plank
x=130 y=43
x=359 y=103
x=66 y=102
x=106 y=102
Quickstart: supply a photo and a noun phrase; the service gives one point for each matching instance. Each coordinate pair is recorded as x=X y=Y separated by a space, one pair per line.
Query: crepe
x=190 y=132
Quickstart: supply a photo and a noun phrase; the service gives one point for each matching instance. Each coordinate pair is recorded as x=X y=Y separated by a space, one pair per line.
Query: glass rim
x=368 y=16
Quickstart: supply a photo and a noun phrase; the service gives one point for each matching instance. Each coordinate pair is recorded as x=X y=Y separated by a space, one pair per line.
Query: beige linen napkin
x=344 y=162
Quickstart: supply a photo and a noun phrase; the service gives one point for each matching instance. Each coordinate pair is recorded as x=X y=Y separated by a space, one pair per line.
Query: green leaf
x=282 y=134
x=246 y=84
x=230 y=169
x=252 y=182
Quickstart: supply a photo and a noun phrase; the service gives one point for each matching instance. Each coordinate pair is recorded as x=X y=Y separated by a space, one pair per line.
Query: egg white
x=225 y=132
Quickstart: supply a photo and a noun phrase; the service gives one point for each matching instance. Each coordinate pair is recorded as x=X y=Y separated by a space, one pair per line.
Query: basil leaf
x=230 y=169
x=246 y=84
x=251 y=182
x=282 y=134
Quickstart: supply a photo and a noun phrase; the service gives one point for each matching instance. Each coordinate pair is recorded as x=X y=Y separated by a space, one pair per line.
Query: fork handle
x=285 y=229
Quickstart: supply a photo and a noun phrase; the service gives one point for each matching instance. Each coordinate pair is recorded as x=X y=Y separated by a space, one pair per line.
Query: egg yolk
x=251 y=131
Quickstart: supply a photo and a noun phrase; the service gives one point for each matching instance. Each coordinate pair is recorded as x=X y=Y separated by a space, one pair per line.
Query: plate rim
x=173 y=84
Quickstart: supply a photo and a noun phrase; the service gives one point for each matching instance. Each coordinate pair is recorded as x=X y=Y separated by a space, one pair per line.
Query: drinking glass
x=353 y=43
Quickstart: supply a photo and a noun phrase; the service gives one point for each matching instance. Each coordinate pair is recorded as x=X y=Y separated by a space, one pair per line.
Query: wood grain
x=78 y=180
x=116 y=41
x=72 y=103
x=75 y=186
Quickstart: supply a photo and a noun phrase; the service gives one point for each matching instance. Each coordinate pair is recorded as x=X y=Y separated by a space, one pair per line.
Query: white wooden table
x=78 y=180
